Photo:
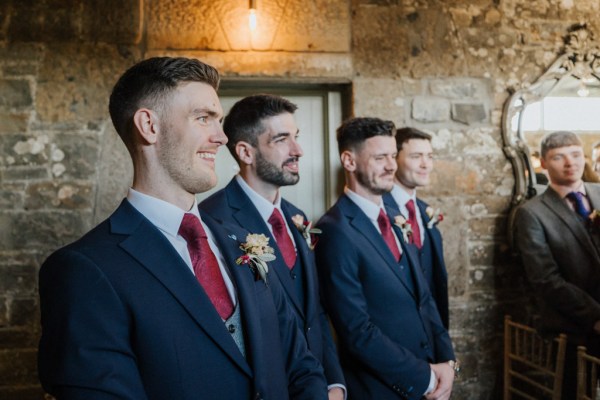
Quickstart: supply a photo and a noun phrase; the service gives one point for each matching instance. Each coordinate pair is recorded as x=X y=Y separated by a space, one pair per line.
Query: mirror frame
x=580 y=57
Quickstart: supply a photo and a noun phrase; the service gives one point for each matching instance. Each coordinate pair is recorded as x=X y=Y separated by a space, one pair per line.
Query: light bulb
x=252 y=19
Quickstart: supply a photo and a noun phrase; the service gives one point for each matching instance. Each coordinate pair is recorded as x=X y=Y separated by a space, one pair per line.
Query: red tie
x=206 y=267
x=388 y=235
x=415 y=238
x=282 y=238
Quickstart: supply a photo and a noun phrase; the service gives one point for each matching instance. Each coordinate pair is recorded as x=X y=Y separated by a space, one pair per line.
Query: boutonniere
x=595 y=219
x=435 y=216
x=257 y=254
x=308 y=232
x=404 y=226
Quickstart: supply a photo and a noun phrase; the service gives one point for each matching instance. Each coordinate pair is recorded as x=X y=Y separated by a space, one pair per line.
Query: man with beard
x=150 y=304
x=392 y=341
x=262 y=136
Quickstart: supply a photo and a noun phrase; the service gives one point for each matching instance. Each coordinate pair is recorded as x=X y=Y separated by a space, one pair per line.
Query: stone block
x=44 y=20
x=11 y=195
x=79 y=156
x=32 y=392
x=23 y=173
x=22 y=52
x=485 y=253
x=430 y=109
x=487 y=227
x=17 y=337
x=455 y=88
x=389 y=101
x=75 y=82
x=16 y=93
x=3 y=313
x=469 y=113
x=22 y=311
x=13 y=122
x=18 y=279
x=41 y=229
x=20 y=70
x=113 y=21
x=21 y=150
x=62 y=195
x=289 y=26
x=18 y=366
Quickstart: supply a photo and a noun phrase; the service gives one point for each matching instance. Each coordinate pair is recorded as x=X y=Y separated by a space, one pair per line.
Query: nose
x=391 y=165
x=296 y=149
x=219 y=136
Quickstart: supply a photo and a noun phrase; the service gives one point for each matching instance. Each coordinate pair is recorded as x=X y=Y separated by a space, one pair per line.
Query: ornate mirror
x=565 y=97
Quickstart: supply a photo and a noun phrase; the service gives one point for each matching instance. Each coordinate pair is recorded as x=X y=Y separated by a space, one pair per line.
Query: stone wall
x=444 y=66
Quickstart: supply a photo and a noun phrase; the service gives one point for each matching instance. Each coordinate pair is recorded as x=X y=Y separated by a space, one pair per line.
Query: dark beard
x=269 y=173
x=364 y=181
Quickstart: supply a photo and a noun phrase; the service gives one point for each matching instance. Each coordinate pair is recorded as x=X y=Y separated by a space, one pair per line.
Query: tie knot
x=276 y=220
x=191 y=229
x=580 y=207
x=410 y=206
x=383 y=221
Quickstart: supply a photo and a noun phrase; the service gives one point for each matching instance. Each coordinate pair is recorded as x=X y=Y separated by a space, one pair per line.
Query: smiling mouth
x=207 y=156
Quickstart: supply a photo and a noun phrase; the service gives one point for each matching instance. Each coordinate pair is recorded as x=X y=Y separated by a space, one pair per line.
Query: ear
x=147 y=123
x=348 y=161
x=543 y=163
x=245 y=152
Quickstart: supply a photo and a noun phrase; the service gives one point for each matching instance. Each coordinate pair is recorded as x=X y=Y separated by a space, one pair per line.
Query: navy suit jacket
x=123 y=317
x=438 y=269
x=389 y=330
x=231 y=204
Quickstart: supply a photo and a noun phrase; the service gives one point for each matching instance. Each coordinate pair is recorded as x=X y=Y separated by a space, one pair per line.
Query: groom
x=150 y=304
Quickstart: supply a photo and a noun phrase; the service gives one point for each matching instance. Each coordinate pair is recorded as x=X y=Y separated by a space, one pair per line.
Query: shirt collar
x=165 y=216
x=563 y=192
x=402 y=197
x=367 y=206
x=265 y=207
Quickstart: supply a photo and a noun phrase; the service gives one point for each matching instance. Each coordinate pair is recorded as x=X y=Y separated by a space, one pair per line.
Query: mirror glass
x=565 y=97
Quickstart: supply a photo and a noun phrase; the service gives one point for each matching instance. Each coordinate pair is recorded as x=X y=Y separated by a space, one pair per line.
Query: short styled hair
x=149 y=83
x=352 y=134
x=403 y=135
x=558 y=139
x=245 y=120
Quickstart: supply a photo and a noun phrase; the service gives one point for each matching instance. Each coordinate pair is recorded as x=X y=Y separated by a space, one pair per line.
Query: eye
x=203 y=119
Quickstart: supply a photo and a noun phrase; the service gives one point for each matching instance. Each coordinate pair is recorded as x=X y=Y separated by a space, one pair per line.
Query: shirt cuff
x=432 y=383
x=334 y=385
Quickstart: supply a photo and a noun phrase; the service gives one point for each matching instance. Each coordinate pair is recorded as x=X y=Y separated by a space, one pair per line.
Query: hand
x=597 y=327
x=336 y=393
x=445 y=378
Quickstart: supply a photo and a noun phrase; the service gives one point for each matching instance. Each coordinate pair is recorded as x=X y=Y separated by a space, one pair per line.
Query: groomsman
x=150 y=304
x=391 y=339
x=415 y=163
x=263 y=139
x=558 y=237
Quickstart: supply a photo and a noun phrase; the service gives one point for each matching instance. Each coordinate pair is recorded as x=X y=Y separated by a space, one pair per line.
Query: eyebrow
x=208 y=111
x=282 y=134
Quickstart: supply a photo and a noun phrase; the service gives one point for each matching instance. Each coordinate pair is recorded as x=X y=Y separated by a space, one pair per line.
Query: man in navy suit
x=415 y=163
x=262 y=137
x=393 y=344
x=150 y=304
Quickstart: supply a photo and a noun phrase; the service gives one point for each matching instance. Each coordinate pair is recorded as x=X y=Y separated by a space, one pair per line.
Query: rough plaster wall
x=444 y=66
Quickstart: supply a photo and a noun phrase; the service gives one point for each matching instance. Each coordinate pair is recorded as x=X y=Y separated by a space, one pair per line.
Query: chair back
x=587 y=375
x=533 y=365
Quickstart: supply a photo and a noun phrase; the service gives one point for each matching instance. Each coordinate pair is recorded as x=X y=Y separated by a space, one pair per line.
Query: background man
x=263 y=137
x=560 y=248
x=123 y=316
x=415 y=163
x=392 y=341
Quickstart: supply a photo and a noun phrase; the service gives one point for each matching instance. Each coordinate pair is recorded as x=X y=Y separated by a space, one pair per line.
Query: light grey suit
x=561 y=256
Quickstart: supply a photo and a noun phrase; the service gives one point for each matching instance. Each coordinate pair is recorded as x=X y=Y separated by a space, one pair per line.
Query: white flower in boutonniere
x=257 y=254
x=404 y=226
x=435 y=216
x=308 y=232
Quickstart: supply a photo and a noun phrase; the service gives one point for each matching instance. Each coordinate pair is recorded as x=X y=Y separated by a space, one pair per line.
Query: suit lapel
x=165 y=264
x=434 y=233
x=248 y=217
x=364 y=227
x=573 y=222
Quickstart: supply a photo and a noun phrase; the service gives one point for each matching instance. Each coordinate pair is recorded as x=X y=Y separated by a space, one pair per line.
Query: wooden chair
x=587 y=375
x=533 y=366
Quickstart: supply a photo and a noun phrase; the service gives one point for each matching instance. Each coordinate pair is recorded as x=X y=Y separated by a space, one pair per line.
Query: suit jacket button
x=231 y=328
x=293 y=275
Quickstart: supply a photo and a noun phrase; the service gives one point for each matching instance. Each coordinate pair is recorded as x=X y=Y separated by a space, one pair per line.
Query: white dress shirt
x=167 y=218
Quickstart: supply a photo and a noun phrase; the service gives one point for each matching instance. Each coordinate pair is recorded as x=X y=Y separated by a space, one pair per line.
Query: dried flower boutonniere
x=308 y=232
x=404 y=226
x=257 y=254
x=435 y=216
x=595 y=219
